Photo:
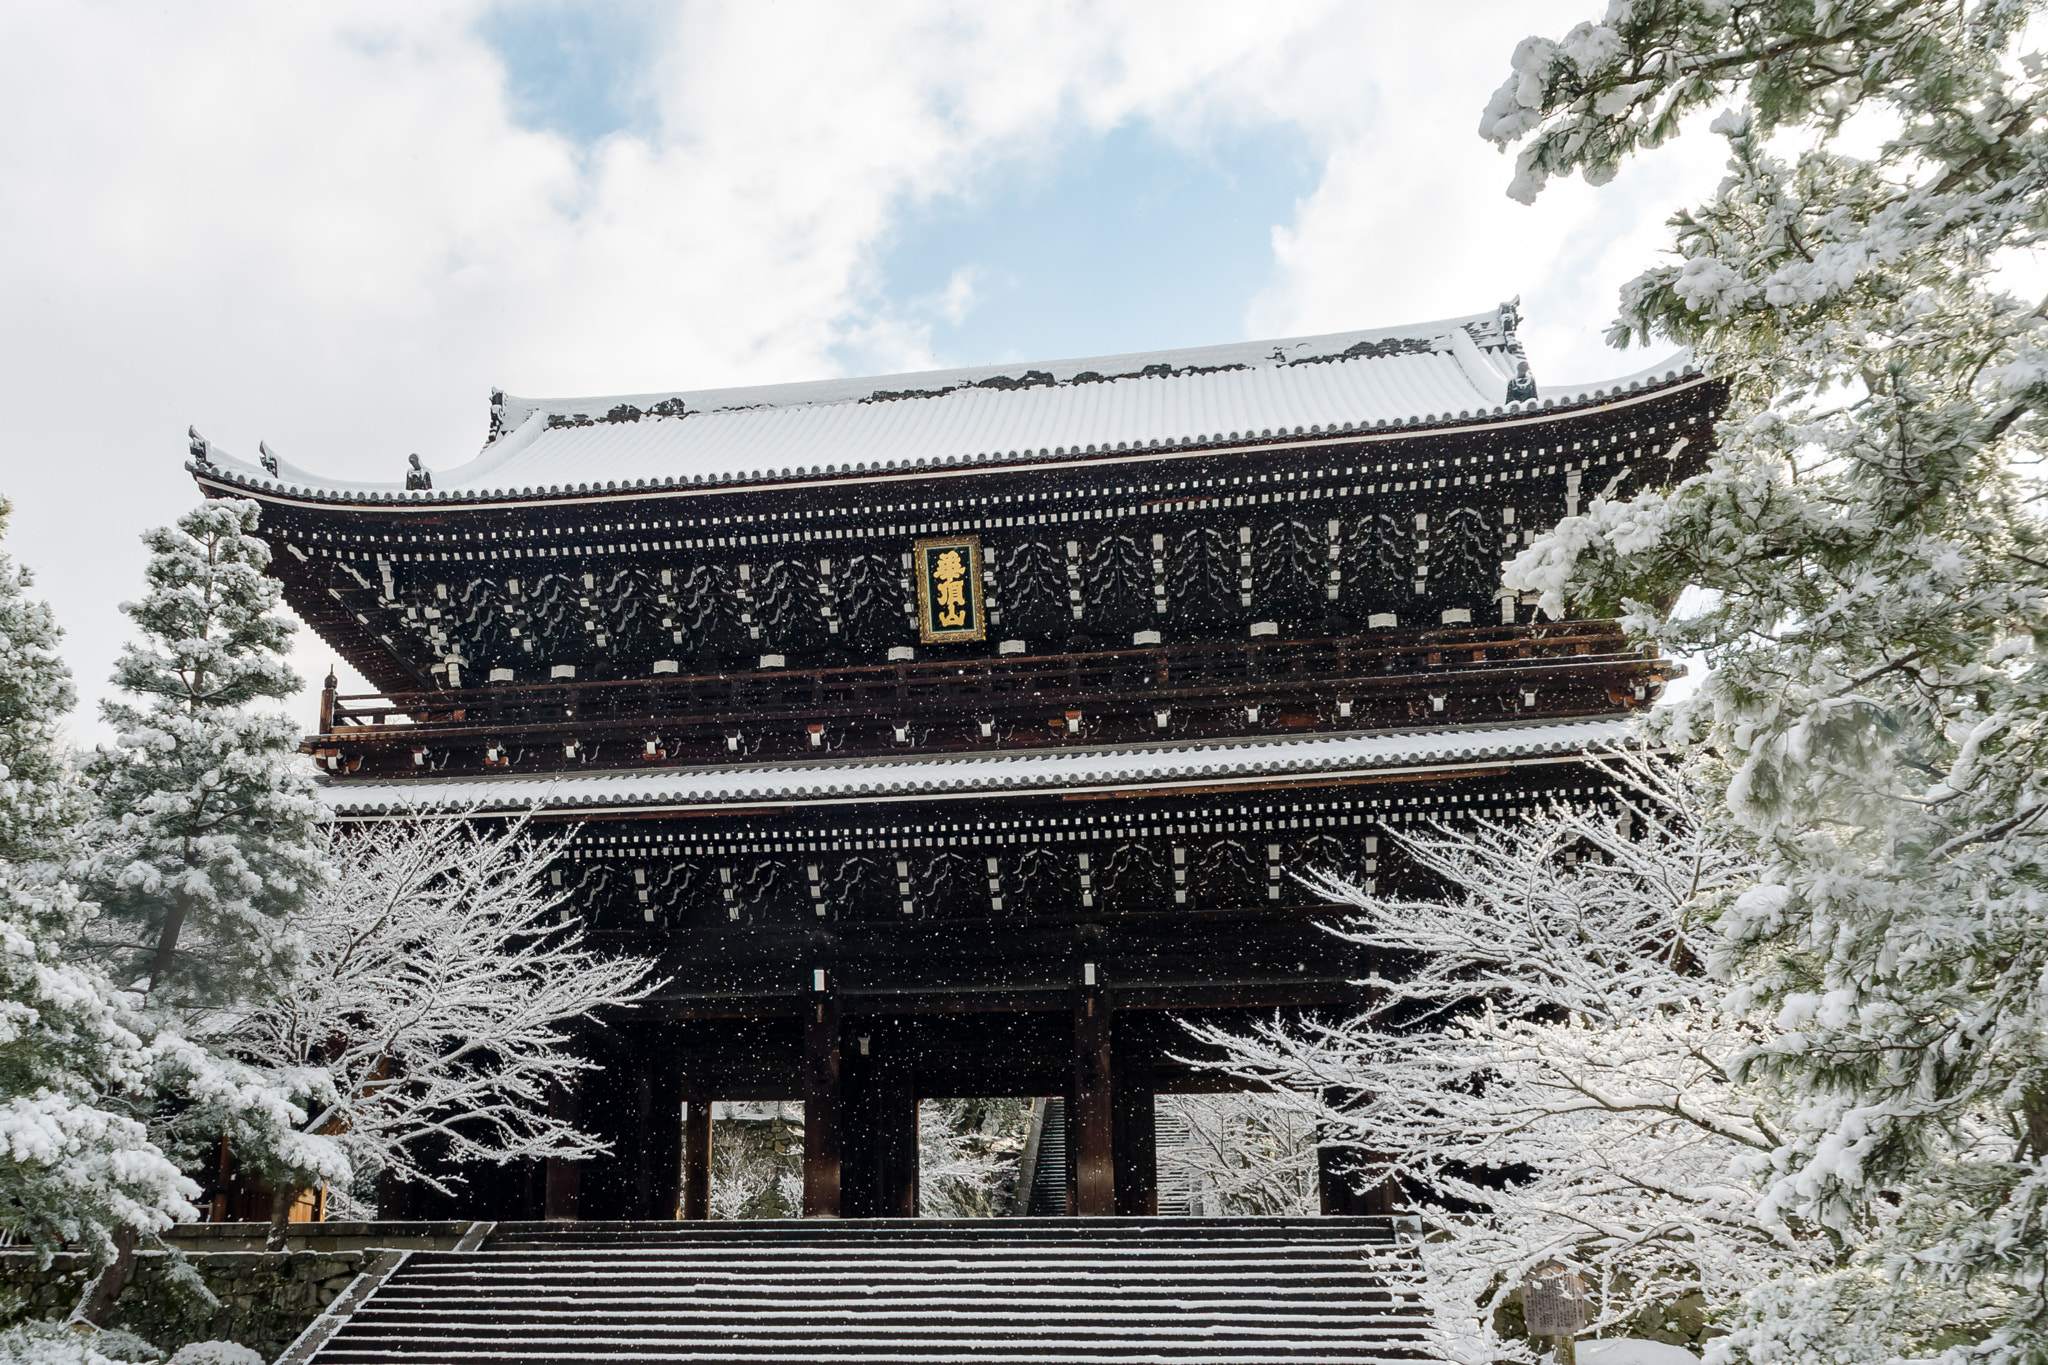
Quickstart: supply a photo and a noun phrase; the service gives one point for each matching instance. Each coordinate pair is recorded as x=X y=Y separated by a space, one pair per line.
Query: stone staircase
x=1192 y=1290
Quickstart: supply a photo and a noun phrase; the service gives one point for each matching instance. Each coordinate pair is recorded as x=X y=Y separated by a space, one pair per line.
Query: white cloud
x=1410 y=219
x=962 y=292
x=322 y=225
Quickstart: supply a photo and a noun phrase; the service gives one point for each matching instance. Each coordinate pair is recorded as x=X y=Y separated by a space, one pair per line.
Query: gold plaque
x=949 y=597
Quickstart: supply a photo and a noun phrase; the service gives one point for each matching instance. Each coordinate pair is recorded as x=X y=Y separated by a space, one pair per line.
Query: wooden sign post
x=1554 y=1305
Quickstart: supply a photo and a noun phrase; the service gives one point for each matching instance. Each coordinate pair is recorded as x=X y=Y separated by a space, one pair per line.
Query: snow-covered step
x=1038 y=1290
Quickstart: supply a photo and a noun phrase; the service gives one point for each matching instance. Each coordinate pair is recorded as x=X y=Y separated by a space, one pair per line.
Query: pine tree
x=206 y=830
x=77 y=1164
x=40 y=800
x=1869 y=535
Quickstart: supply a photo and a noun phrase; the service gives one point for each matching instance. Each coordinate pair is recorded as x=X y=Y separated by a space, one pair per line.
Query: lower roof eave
x=1176 y=770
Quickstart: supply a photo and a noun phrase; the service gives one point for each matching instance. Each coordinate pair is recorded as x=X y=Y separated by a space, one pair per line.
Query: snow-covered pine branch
x=78 y=1162
x=1870 y=541
x=207 y=833
x=436 y=989
x=78 y=1073
x=1545 y=1067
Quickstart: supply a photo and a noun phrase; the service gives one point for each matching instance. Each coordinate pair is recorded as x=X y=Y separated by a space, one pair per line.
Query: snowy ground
x=1629 y=1351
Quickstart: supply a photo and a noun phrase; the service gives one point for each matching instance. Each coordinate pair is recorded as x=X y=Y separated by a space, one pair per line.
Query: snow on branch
x=437 y=992
x=1863 y=551
x=1545 y=1068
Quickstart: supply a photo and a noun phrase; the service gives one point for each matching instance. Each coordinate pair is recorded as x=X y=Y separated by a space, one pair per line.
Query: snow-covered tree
x=41 y=801
x=207 y=832
x=76 y=1076
x=969 y=1151
x=75 y=1164
x=1869 y=538
x=757 y=1160
x=741 y=1178
x=87 y=1146
x=431 y=1006
x=1549 y=1072
x=1250 y=1155
x=37 y=1342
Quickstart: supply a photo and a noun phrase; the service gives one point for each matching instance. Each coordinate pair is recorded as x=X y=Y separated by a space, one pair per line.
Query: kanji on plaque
x=1553 y=1301
x=949 y=599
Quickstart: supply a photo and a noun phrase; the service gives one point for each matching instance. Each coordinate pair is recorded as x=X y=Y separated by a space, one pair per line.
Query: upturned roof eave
x=226 y=476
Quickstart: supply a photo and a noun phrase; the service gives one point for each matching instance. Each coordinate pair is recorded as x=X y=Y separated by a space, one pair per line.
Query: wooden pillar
x=895 y=1136
x=823 y=1100
x=222 y=1182
x=1337 y=1191
x=636 y=1146
x=878 y=1121
x=564 y=1178
x=1067 y=1107
x=665 y=1142
x=1091 y=1144
x=1137 y=1149
x=697 y=1160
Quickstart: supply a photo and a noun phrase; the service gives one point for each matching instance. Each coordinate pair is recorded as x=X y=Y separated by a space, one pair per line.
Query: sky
x=337 y=228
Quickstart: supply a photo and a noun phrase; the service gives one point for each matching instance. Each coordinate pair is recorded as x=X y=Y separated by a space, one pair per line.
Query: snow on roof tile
x=842 y=781
x=1427 y=374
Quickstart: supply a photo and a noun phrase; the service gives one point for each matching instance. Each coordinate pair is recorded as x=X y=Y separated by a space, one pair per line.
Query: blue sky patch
x=569 y=67
x=1122 y=242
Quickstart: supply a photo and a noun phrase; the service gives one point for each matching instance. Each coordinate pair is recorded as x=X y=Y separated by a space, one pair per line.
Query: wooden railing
x=1274 y=670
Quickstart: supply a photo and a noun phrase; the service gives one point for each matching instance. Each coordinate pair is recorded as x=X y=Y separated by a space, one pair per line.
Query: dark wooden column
x=1337 y=1189
x=1091 y=1144
x=896 y=1154
x=878 y=1133
x=633 y=1147
x=860 y=1181
x=823 y=1101
x=697 y=1159
x=564 y=1178
x=1136 y=1141
x=664 y=1142
x=1336 y=1183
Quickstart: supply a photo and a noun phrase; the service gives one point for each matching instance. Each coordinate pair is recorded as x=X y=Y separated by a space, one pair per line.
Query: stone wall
x=1683 y=1321
x=266 y=1298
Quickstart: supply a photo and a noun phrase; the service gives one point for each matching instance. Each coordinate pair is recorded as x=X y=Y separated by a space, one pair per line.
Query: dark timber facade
x=1239 y=614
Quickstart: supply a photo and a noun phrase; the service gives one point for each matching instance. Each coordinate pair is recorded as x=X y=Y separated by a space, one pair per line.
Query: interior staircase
x=1193 y=1290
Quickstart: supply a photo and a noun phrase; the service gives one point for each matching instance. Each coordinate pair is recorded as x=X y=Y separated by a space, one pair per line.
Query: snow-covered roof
x=1210 y=764
x=1452 y=371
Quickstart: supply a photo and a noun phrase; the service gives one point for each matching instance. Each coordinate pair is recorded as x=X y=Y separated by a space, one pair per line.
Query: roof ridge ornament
x=266 y=457
x=1523 y=386
x=201 y=448
x=417 y=475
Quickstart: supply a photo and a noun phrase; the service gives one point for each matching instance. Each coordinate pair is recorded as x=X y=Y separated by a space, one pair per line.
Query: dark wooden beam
x=1183 y=995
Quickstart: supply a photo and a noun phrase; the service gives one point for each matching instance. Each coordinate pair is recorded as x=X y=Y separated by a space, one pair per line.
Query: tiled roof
x=1210 y=764
x=1448 y=372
